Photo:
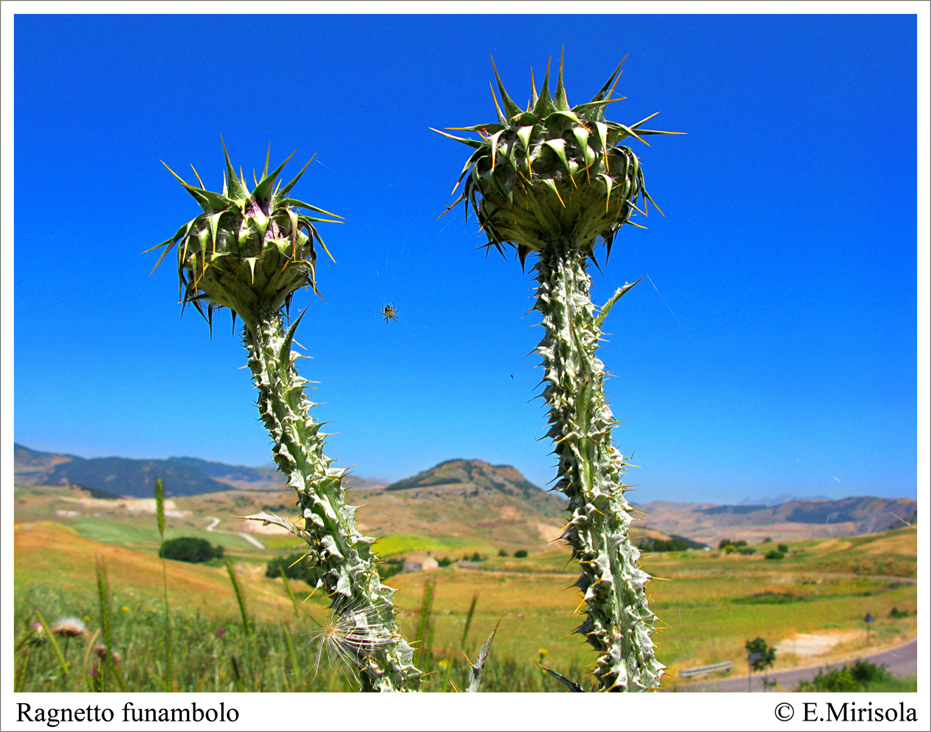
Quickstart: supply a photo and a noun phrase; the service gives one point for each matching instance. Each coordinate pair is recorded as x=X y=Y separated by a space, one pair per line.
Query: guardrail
x=688 y=673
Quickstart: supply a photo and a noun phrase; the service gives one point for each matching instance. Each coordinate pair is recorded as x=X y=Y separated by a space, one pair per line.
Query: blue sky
x=772 y=349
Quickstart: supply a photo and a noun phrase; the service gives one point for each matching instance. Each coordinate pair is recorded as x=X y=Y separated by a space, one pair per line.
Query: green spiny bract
x=553 y=180
x=249 y=250
x=553 y=171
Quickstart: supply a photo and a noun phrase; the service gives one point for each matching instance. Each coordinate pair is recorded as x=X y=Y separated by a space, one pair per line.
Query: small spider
x=389 y=312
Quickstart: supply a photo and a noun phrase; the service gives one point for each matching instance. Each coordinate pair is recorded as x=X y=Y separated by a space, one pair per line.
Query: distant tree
x=295 y=567
x=189 y=549
x=765 y=655
x=502 y=553
x=649 y=544
x=520 y=553
x=390 y=569
x=773 y=554
x=444 y=561
x=476 y=557
x=784 y=548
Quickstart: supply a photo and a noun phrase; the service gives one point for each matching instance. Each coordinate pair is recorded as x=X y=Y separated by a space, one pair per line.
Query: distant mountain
x=469 y=477
x=868 y=513
x=793 y=519
x=113 y=475
x=464 y=498
x=237 y=476
x=182 y=476
x=778 y=500
x=135 y=478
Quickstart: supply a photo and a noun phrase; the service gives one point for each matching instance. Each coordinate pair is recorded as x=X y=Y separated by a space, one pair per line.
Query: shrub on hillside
x=190 y=549
x=774 y=554
x=852 y=678
x=520 y=553
x=784 y=548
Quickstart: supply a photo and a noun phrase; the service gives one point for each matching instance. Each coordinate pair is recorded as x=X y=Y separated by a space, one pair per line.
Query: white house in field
x=419 y=563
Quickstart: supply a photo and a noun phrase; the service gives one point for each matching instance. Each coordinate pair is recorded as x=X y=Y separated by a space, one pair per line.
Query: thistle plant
x=250 y=251
x=554 y=180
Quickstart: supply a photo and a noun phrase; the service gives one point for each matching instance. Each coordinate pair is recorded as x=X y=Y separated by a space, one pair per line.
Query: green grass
x=112 y=530
x=893 y=685
x=211 y=654
x=454 y=547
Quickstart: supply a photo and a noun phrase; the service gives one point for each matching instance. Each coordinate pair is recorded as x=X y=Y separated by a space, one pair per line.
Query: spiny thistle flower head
x=249 y=250
x=552 y=171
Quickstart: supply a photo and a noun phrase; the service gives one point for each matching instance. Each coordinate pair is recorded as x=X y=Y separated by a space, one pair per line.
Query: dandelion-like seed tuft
x=69 y=627
x=347 y=633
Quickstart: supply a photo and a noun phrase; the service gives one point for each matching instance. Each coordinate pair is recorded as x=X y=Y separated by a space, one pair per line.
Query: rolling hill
x=466 y=500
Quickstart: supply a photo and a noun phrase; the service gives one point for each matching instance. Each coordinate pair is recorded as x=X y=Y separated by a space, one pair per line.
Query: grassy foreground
x=709 y=605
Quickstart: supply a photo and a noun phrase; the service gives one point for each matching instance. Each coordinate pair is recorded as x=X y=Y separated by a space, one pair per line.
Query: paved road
x=901 y=661
x=248 y=537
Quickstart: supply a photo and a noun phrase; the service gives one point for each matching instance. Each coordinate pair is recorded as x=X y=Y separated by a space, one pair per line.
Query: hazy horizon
x=748 y=499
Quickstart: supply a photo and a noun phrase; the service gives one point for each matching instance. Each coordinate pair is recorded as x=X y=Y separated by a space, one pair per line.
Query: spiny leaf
x=559 y=99
x=263 y=189
x=544 y=106
x=572 y=685
x=237 y=189
x=463 y=140
x=475 y=670
x=208 y=200
x=601 y=93
x=510 y=108
x=299 y=204
x=606 y=308
x=284 y=191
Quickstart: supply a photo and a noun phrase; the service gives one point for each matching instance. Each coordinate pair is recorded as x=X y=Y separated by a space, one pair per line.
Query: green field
x=708 y=604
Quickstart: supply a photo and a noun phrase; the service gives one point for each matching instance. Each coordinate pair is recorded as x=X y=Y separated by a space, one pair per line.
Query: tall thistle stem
x=375 y=645
x=250 y=251
x=619 y=622
x=555 y=180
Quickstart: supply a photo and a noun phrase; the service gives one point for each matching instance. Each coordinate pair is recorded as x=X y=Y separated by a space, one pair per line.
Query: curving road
x=248 y=537
x=900 y=661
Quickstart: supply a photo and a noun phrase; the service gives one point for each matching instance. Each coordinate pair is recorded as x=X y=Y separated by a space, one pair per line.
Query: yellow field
x=709 y=605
